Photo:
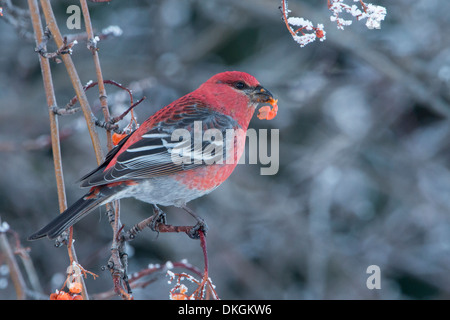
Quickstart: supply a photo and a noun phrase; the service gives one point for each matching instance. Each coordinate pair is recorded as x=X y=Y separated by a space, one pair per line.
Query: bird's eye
x=240 y=85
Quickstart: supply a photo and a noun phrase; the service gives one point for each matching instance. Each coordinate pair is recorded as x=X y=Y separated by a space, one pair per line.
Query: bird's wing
x=163 y=150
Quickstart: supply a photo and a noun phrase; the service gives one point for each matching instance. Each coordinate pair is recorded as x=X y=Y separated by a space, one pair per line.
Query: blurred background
x=364 y=173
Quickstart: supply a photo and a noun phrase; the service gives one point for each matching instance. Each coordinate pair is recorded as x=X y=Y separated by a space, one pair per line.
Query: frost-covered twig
x=205 y=288
x=373 y=13
x=66 y=47
x=145 y=277
x=304 y=32
x=301 y=25
x=106 y=33
x=109 y=125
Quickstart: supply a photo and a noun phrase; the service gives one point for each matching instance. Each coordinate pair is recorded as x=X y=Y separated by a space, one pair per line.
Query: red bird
x=142 y=164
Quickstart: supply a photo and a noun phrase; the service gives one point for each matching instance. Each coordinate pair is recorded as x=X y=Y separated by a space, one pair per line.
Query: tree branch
x=16 y=274
x=54 y=129
x=74 y=78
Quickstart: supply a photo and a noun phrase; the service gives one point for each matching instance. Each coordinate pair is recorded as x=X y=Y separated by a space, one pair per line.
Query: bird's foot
x=159 y=217
x=201 y=225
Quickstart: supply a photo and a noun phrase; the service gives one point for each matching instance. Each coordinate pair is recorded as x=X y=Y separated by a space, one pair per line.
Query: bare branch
x=16 y=274
x=51 y=102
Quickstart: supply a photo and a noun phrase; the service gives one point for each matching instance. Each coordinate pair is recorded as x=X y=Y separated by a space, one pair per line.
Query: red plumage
x=142 y=164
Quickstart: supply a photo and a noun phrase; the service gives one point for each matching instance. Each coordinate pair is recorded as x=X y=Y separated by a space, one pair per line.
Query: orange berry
x=54 y=296
x=319 y=33
x=179 y=296
x=75 y=287
x=63 y=296
x=117 y=137
x=266 y=112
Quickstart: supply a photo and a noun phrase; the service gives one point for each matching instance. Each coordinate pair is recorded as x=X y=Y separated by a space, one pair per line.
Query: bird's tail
x=73 y=214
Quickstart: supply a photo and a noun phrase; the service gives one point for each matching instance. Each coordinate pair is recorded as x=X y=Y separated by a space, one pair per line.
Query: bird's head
x=239 y=90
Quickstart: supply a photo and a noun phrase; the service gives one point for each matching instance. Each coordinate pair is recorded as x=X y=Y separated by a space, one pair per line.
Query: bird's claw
x=201 y=225
x=63 y=238
x=158 y=218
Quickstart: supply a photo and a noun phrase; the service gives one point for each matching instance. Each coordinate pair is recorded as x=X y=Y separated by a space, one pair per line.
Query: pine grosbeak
x=142 y=165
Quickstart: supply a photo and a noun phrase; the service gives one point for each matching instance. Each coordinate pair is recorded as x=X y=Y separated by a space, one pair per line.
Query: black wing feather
x=151 y=156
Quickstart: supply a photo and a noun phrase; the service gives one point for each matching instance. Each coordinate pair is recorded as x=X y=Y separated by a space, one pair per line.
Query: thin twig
x=136 y=280
x=108 y=125
x=23 y=253
x=284 y=11
x=41 y=48
x=118 y=255
x=74 y=78
x=160 y=227
x=118 y=118
x=18 y=18
x=51 y=102
x=14 y=270
x=108 y=32
x=101 y=87
x=118 y=262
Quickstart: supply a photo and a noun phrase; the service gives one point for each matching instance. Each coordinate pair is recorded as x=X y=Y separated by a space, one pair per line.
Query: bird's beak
x=261 y=95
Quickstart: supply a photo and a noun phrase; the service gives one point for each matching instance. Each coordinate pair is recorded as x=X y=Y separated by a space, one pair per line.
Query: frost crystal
x=154 y=266
x=95 y=40
x=4 y=270
x=4 y=227
x=114 y=30
x=295 y=21
x=374 y=14
x=303 y=40
x=171 y=276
